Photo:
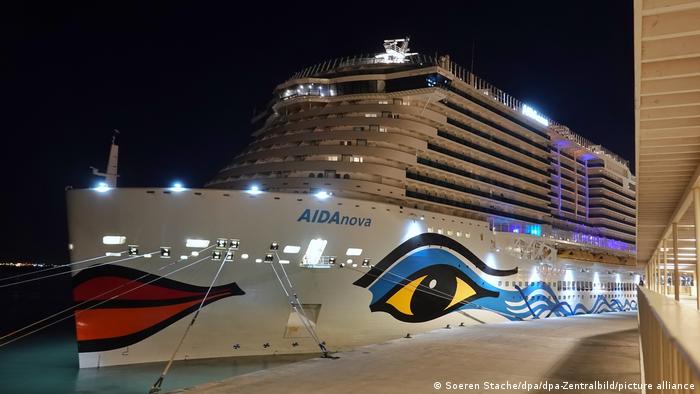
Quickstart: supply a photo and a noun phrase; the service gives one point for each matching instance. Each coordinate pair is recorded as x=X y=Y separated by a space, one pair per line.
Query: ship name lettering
x=323 y=216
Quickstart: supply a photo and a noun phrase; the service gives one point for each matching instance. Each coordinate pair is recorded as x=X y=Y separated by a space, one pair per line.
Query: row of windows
x=613 y=199
x=464 y=205
x=604 y=205
x=464 y=189
x=481 y=148
x=481 y=119
x=484 y=164
x=494 y=109
x=480 y=178
x=632 y=233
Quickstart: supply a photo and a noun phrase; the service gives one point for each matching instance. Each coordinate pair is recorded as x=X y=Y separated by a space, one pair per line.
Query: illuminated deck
x=581 y=349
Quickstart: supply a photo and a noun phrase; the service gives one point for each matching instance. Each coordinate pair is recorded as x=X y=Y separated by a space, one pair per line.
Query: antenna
x=396 y=50
x=471 y=68
x=110 y=176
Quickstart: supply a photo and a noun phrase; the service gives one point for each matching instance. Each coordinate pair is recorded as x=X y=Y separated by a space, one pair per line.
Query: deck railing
x=670 y=339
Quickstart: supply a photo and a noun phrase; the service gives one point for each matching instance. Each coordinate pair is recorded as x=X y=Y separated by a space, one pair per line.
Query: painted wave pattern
x=539 y=305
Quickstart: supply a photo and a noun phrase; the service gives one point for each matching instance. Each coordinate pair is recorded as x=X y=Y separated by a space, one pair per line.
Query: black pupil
x=427 y=302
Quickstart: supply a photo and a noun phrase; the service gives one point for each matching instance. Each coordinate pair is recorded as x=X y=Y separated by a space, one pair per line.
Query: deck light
x=254 y=190
x=101 y=187
x=322 y=195
x=177 y=187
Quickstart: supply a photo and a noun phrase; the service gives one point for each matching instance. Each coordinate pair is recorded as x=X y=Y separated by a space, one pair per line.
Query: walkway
x=579 y=349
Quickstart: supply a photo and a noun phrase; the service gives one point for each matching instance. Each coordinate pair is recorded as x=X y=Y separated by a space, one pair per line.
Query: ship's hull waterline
x=421 y=271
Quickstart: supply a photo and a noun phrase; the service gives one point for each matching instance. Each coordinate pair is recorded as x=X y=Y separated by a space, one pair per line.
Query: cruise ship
x=382 y=196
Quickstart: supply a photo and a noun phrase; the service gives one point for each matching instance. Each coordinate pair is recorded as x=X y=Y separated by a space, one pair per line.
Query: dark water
x=47 y=362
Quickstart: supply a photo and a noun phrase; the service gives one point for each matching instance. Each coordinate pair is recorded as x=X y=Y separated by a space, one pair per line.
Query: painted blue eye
x=429 y=293
x=426 y=277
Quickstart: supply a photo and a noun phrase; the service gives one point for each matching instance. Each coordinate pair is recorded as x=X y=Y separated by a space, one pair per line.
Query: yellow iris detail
x=462 y=292
x=401 y=300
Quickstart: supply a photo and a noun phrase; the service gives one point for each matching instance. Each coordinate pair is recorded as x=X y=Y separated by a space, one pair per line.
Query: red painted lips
x=139 y=310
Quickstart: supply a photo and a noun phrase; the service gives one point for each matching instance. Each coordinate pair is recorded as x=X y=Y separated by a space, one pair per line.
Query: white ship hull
x=254 y=317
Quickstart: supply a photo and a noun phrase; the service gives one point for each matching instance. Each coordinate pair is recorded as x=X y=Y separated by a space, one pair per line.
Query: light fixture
x=254 y=190
x=113 y=254
x=244 y=256
x=349 y=261
x=284 y=261
x=258 y=260
x=194 y=253
x=177 y=187
x=147 y=256
x=133 y=250
x=165 y=252
x=322 y=195
x=184 y=257
x=197 y=243
x=101 y=187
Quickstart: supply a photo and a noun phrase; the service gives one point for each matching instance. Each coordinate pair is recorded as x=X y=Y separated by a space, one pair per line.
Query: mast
x=110 y=175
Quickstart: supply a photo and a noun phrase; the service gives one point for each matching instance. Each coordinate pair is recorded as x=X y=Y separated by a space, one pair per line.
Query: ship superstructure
x=382 y=195
x=426 y=133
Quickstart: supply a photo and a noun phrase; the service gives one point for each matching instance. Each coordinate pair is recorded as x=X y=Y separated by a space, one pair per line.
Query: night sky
x=181 y=81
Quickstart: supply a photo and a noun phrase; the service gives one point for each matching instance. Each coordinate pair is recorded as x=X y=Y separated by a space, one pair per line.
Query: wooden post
x=665 y=267
x=676 y=277
x=696 y=209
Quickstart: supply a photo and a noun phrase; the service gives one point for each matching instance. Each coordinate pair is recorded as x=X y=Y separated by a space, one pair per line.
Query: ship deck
x=603 y=347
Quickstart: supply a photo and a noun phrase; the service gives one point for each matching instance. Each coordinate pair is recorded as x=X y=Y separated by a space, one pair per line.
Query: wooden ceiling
x=667 y=104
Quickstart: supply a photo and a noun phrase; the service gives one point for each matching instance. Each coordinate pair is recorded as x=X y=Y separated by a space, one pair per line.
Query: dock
x=513 y=357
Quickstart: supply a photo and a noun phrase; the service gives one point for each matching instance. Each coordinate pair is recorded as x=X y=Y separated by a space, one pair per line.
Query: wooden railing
x=670 y=338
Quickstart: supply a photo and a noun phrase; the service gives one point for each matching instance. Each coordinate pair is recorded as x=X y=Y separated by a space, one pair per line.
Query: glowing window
x=291 y=249
x=197 y=243
x=113 y=240
x=314 y=251
x=353 y=252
